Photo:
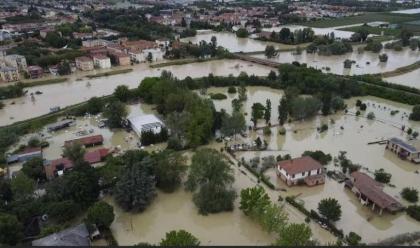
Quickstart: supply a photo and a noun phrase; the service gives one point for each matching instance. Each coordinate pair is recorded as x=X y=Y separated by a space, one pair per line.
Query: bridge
x=259 y=61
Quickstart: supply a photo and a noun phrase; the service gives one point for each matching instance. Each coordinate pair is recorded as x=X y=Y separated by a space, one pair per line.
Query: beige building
x=84 y=63
x=17 y=61
x=101 y=61
x=120 y=58
x=9 y=74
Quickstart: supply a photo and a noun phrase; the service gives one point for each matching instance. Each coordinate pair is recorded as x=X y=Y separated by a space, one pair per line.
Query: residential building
x=59 y=125
x=9 y=74
x=73 y=236
x=16 y=60
x=146 y=123
x=35 y=71
x=95 y=43
x=140 y=49
x=84 y=63
x=119 y=58
x=409 y=150
x=301 y=170
x=59 y=166
x=370 y=192
x=101 y=61
x=89 y=141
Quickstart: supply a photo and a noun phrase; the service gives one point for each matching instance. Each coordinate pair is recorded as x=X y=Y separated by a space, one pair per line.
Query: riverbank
x=400 y=71
x=110 y=73
x=183 y=62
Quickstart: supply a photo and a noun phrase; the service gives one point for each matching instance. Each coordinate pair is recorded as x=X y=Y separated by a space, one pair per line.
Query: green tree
x=353 y=239
x=11 y=230
x=76 y=154
x=320 y=156
x=22 y=186
x=294 y=235
x=136 y=188
x=94 y=105
x=253 y=201
x=270 y=51
x=330 y=209
x=410 y=194
x=267 y=111
x=55 y=40
x=101 y=214
x=283 y=112
x=304 y=107
x=210 y=179
x=414 y=212
x=62 y=211
x=257 y=112
x=242 y=92
x=34 y=169
x=382 y=176
x=179 y=238
x=233 y=124
x=242 y=33
x=272 y=75
x=122 y=93
x=115 y=112
x=415 y=114
x=169 y=170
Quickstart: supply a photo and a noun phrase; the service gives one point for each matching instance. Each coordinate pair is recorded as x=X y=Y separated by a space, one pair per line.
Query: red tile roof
x=90 y=140
x=299 y=165
x=373 y=190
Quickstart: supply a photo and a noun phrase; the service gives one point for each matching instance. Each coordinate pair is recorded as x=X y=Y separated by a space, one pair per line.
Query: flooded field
x=75 y=91
x=235 y=44
x=366 y=62
x=411 y=79
x=353 y=138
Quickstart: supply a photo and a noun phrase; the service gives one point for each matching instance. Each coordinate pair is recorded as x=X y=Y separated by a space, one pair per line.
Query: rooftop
x=413 y=146
x=86 y=140
x=73 y=236
x=299 y=165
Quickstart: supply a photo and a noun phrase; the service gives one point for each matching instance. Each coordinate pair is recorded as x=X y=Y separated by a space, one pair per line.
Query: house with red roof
x=89 y=141
x=303 y=170
x=59 y=166
x=370 y=193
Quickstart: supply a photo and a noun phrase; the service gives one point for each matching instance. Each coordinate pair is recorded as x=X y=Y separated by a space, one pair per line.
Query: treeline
x=327 y=45
x=11 y=91
x=201 y=50
x=286 y=36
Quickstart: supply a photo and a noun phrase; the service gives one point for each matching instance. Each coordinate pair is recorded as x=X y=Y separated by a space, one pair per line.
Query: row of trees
x=286 y=36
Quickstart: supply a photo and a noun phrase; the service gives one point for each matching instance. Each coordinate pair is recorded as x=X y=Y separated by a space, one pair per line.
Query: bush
x=282 y=131
x=415 y=114
x=371 y=116
x=410 y=194
x=320 y=156
x=267 y=131
x=149 y=137
x=232 y=90
x=218 y=96
x=382 y=176
x=383 y=57
x=414 y=212
x=101 y=214
x=330 y=209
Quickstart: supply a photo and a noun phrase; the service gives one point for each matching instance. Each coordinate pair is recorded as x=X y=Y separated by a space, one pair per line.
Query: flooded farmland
x=75 y=91
x=411 y=79
x=365 y=62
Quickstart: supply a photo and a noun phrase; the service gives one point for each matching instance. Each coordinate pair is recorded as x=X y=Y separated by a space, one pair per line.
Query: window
x=293 y=176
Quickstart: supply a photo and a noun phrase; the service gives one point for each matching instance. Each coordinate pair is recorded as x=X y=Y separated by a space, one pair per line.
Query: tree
x=353 y=239
x=210 y=179
x=405 y=36
x=383 y=57
x=304 y=107
x=64 y=68
x=272 y=75
x=283 y=113
x=257 y=112
x=11 y=230
x=382 y=176
x=319 y=156
x=76 y=154
x=179 y=238
x=415 y=114
x=270 y=51
x=242 y=92
x=169 y=169
x=294 y=235
x=149 y=57
x=55 y=40
x=242 y=33
x=101 y=214
x=115 y=112
x=62 y=211
x=253 y=201
x=267 y=111
x=94 y=105
x=136 y=187
x=330 y=209
x=5 y=192
x=410 y=194
x=414 y=212
x=233 y=124
x=122 y=93
x=34 y=169
x=22 y=186
x=370 y=116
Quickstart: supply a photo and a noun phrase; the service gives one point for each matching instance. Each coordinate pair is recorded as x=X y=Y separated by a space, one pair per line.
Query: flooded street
x=74 y=91
x=411 y=79
x=235 y=44
x=353 y=138
x=366 y=62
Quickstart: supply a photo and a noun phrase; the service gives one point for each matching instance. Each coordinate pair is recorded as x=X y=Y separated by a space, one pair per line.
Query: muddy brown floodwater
x=75 y=91
x=411 y=79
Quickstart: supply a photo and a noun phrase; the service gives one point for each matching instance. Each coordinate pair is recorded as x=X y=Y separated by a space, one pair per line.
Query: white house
x=101 y=61
x=301 y=170
x=141 y=55
x=146 y=123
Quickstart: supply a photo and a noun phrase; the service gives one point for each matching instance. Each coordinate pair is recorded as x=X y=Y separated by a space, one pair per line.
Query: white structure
x=18 y=61
x=146 y=123
x=141 y=55
x=101 y=61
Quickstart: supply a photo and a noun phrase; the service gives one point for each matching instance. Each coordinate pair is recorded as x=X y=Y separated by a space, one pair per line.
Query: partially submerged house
x=146 y=123
x=73 y=236
x=89 y=141
x=370 y=192
x=59 y=166
x=25 y=155
x=303 y=170
x=59 y=125
x=409 y=150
